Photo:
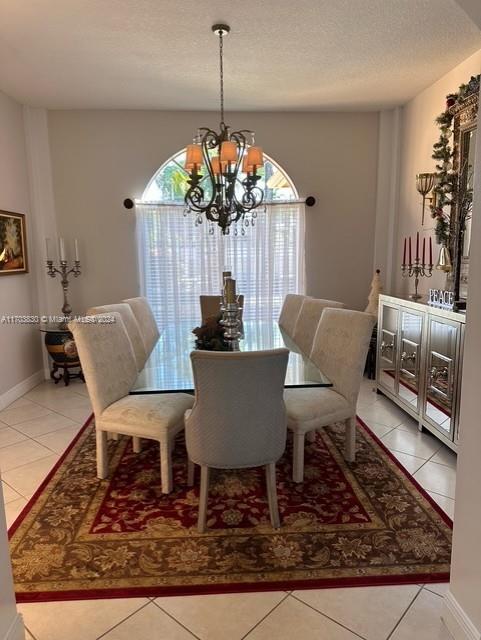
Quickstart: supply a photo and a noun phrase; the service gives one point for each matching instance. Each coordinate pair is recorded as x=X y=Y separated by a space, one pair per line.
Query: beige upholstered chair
x=144 y=316
x=131 y=326
x=239 y=418
x=290 y=311
x=109 y=367
x=339 y=351
x=308 y=320
x=210 y=306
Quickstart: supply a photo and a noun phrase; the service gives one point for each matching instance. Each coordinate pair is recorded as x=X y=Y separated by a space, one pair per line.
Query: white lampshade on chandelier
x=223 y=169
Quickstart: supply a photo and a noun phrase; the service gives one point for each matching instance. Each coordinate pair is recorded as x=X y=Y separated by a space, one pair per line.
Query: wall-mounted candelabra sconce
x=424 y=185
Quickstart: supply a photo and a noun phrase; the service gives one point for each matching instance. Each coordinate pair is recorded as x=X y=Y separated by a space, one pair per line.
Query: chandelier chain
x=221 y=65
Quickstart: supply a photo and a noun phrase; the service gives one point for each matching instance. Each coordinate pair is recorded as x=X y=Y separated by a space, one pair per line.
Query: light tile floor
x=36 y=429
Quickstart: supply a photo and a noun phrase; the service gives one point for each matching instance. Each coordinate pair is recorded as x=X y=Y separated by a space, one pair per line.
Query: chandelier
x=223 y=169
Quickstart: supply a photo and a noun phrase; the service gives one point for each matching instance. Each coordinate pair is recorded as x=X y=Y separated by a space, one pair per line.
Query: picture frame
x=13 y=244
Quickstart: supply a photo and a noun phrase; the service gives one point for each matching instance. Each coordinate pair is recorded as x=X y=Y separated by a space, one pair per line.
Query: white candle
x=61 y=249
x=77 y=259
x=48 y=245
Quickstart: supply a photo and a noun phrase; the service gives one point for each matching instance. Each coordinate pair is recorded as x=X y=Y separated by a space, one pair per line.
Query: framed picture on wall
x=13 y=244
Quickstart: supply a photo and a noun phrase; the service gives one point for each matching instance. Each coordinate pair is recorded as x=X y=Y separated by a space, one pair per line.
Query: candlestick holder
x=64 y=271
x=231 y=323
x=416 y=270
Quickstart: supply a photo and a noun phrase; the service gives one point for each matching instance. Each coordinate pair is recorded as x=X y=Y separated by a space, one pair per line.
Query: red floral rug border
x=184 y=590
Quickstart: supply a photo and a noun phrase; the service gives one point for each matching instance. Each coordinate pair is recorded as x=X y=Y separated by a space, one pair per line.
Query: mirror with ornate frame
x=465 y=118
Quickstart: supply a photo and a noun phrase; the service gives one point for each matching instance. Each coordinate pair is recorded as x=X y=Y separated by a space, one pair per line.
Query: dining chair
x=146 y=319
x=308 y=320
x=110 y=369
x=131 y=326
x=238 y=419
x=339 y=351
x=210 y=306
x=290 y=311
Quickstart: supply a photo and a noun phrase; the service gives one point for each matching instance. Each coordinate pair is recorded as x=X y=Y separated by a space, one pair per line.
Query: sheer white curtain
x=179 y=261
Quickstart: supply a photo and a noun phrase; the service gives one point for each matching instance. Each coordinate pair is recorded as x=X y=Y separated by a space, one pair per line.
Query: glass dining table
x=169 y=370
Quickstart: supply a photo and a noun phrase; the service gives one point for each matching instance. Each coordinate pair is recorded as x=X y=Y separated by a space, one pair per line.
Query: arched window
x=179 y=261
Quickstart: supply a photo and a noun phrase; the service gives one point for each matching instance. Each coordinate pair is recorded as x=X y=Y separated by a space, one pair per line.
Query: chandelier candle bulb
x=228 y=152
x=77 y=258
x=424 y=250
x=410 y=258
x=246 y=167
x=255 y=157
x=404 y=253
x=417 y=246
x=215 y=164
x=193 y=156
x=430 y=251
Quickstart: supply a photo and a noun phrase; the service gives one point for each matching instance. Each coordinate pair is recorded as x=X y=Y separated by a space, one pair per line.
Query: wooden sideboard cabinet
x=419 y=363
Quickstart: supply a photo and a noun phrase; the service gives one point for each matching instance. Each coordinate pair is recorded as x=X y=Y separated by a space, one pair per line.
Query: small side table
x=63 y=351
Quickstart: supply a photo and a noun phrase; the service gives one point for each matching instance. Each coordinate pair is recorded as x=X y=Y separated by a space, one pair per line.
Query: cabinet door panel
x=409 y=357
x=441 y=374
x=387 y=351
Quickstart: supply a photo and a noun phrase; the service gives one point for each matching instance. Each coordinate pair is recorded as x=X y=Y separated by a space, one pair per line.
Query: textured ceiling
x=280 y=55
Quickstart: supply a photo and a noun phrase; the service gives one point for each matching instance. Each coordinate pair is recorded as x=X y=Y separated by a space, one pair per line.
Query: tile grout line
x=426 y=588
x=288 y=595
x=194 y=635
x=405 y=612
x=340 y=624
x=122 y=621
x=28 y=630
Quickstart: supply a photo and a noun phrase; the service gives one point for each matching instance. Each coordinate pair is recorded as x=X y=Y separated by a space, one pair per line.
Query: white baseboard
x=17 y=630
x=21 y=388
x=456 y=620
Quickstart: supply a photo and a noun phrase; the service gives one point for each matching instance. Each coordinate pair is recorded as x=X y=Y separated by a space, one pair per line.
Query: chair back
x=290 y=311
x=308 y=320
x=340 y=349
x=210 y=306
x=107 y=358
x=131 y=326
x=145 y=317
x=239 y=417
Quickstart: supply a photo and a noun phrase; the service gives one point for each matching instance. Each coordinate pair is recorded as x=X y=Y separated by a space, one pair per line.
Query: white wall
x=463 y=601
x=101 y=157
x=20 y=346
x=419 y=133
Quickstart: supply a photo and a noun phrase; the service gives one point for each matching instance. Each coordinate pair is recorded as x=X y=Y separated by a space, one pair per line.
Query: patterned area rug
x=364 y=523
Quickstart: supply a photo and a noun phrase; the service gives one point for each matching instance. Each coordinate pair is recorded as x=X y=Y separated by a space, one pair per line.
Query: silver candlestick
x=230 y=320
x=64 y=271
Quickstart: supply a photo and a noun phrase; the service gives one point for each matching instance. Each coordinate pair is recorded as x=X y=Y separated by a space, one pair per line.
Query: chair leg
x=166 y=476
x=136 y=445
x=190 y=472
x=102 y=462
x=203 y=498
x=298 y=458
x=272 y=494
x=350 y=445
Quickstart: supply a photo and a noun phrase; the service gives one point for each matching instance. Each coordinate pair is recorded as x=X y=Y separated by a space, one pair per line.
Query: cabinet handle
x=439 y=373
x=386 y=347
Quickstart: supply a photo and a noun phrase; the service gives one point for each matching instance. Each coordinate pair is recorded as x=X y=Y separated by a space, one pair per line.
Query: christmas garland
x=445 y=177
